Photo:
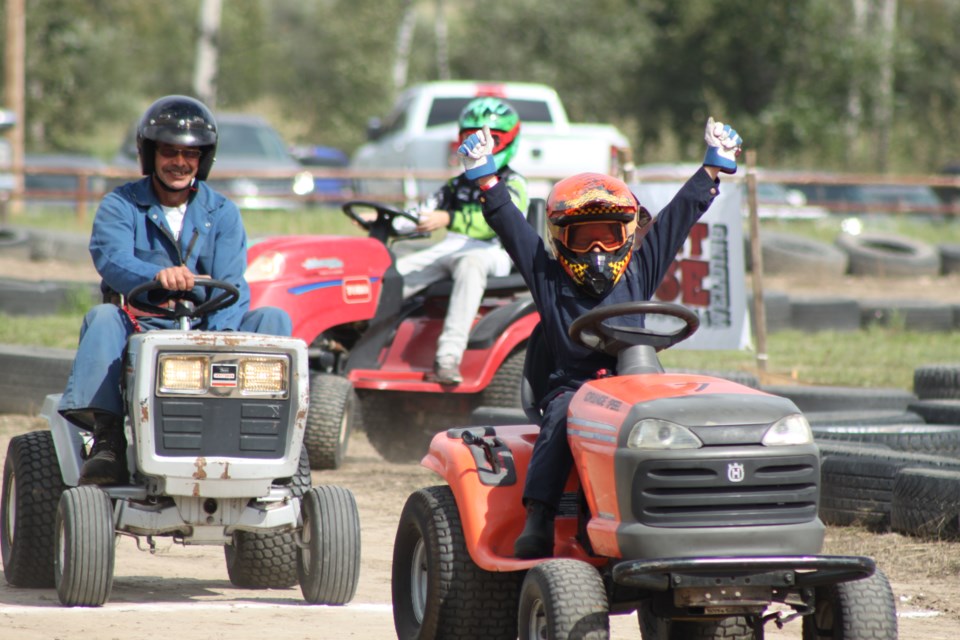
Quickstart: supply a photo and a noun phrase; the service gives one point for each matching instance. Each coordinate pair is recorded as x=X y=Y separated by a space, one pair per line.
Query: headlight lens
x=183 y=374
x=789 y=430
x=263 y=375
x=266 y=266
x=653 y=433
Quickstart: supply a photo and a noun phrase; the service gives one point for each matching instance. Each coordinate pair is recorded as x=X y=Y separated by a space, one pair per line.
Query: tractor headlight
x=653 y=433
x=266 y=266
x=183 y=374
x=788 y=430
x=263 y=375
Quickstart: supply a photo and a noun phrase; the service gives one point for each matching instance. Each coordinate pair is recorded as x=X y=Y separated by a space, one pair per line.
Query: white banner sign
x=708 y=274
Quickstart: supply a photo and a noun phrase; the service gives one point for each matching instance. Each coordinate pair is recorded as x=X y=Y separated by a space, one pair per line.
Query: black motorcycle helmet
x=179 y=120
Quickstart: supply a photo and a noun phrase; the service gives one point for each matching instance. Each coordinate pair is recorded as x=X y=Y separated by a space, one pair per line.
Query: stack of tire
x=869 y=255
x=893 y=464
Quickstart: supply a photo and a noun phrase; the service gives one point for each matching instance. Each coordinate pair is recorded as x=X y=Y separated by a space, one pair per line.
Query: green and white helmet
x=504 y=125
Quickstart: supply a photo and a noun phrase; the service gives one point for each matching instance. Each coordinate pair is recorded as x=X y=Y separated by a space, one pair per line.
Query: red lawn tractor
x=371 y=352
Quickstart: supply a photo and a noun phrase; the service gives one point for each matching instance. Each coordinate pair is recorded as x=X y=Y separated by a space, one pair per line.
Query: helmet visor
x=581 y=237
x=501 y=139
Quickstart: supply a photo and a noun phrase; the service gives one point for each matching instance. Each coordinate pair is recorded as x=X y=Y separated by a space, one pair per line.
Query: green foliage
x=783 y=72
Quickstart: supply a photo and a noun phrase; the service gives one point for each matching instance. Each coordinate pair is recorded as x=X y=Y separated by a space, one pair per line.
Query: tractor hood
x=612 y=406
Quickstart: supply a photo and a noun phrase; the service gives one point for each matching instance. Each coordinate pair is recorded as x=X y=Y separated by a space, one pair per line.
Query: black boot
x=536 y=540
x=107 y=462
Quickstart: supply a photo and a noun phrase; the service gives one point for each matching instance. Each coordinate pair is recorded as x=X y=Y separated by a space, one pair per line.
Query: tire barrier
x=939 y=411
x=937 y=381
x=825 y=314
x=29 y=374
x=913 y=315
x=932 y=439
x=857 y=481
x=785 y=254
x=42 y=298
x=949 y=258
x=925 y=504
x=886 y=255
x=859 y=399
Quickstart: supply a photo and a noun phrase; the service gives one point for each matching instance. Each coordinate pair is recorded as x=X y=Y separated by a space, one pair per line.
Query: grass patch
x=61 y=331
x=873 y=357
x=309 y=220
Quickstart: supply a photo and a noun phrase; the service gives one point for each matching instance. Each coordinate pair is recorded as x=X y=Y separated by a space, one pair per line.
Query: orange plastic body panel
x=493 y=517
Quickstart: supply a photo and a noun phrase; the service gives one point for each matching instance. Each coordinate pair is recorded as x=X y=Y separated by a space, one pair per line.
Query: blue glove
x=723 y=146
x=476 y=155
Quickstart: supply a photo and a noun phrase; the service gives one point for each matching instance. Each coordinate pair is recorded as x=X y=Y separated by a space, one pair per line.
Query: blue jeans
x=552 y=460
x=94 y=383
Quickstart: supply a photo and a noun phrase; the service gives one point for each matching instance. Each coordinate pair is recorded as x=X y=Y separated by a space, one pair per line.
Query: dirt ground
x=184 y=592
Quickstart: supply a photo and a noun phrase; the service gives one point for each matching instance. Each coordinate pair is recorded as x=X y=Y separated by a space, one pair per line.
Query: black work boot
x=107 y=462
x=536 y=540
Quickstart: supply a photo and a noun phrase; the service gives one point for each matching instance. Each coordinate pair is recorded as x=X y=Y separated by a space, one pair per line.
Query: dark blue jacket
x=560 y=301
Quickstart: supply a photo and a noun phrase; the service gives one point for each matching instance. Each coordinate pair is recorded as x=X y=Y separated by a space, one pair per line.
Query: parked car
x=325 y=189
x=871 y=199
x=253 y=167
x=774 y=199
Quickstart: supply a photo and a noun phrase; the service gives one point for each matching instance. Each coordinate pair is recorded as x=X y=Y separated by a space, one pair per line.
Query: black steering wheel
x=590 y=330
x=228 y=295
x=380 y=227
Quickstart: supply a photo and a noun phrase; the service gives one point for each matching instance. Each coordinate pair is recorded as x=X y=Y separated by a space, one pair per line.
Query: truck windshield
x=446 y=110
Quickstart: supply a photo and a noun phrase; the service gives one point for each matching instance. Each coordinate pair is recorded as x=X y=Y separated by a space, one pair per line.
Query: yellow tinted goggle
x=581 y=237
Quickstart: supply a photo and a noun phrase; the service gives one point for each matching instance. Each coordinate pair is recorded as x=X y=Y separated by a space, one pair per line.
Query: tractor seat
x=537 y=366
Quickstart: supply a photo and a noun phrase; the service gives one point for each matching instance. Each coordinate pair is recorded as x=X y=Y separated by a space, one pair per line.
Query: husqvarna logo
x=735 y=472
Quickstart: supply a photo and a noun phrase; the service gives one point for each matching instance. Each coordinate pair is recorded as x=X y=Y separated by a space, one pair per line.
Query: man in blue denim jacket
x=169 y=227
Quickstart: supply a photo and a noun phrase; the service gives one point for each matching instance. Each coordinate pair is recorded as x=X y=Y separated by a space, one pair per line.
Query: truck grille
x=221 y=427
x=726 y=491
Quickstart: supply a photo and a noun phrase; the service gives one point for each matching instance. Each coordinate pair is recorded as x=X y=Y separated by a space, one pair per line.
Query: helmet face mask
x=177 y=120
x=594 y=223
x=504 y=126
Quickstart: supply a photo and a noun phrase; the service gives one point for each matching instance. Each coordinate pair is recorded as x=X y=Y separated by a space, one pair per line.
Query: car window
x=240 y=140
x=899 y=194
x=446 y=110
x=397 y=119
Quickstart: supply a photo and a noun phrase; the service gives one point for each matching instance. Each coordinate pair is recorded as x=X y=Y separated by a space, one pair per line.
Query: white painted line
x=365 y=607
x=918 y=614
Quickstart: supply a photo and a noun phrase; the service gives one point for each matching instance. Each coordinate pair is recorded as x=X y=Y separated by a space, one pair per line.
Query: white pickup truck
x=412 y=151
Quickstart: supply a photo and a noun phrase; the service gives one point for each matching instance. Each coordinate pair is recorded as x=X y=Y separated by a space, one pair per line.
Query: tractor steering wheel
x=382 y=224
x=590 y=330
x=228 y=295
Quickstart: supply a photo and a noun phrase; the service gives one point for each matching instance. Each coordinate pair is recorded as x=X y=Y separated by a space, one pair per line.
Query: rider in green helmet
x=470 y=252
x=504 y=124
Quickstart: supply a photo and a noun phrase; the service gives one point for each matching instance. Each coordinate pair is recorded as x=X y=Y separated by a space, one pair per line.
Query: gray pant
x=468 y=262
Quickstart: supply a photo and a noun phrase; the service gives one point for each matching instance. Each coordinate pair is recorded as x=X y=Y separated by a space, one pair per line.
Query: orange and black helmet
x=594 y=221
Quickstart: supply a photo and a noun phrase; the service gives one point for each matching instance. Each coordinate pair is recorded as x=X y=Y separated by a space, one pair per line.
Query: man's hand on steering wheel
x=176 y=278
